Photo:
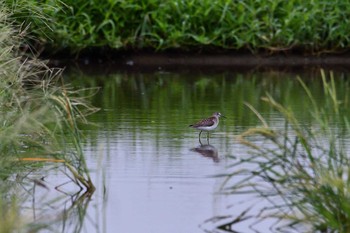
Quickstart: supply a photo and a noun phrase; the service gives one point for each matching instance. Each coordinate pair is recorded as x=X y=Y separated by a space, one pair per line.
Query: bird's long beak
x=223 y=116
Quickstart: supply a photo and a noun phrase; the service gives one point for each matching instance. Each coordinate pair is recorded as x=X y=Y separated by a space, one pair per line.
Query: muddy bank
x=206 y=62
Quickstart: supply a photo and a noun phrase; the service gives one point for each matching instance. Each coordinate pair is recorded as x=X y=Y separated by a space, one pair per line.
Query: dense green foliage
x=272 y=25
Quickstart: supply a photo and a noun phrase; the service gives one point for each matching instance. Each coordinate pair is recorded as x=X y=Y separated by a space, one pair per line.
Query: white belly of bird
x=208 y=128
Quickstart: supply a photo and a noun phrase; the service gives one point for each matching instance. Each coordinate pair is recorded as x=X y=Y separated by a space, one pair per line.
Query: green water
x=172 y=101
x=151 y=173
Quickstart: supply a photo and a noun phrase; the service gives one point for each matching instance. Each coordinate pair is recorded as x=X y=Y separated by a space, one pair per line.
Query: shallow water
x=152 y=174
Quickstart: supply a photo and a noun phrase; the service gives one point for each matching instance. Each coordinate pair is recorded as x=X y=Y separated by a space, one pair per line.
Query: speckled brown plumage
x=207 y=124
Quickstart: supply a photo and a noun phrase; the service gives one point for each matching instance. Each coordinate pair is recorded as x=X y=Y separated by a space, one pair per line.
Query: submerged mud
x=205 y=62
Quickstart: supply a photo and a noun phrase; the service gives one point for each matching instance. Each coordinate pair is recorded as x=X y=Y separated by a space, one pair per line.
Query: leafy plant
x=315 y=27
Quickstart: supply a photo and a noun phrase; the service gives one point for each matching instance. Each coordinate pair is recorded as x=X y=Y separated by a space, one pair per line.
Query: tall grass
x=38 y=121
x=273 y=25
x=302 y=170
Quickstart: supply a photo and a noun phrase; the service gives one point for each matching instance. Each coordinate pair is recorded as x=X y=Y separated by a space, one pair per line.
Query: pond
x=150 y=170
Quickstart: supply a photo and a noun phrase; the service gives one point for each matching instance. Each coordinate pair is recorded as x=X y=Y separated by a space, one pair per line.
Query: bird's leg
x=208 y=137
x=200 y=137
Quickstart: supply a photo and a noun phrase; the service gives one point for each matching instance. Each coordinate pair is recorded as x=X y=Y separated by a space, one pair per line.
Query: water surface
x=151 y=172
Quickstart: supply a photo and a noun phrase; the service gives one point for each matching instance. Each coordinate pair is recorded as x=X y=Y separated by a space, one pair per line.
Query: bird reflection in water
x=207 y=151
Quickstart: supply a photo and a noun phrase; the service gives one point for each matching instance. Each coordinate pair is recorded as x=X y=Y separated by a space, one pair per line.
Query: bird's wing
x=206 y=122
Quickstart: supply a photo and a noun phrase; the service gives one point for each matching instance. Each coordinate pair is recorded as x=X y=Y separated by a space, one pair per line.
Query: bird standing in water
x=207 y=124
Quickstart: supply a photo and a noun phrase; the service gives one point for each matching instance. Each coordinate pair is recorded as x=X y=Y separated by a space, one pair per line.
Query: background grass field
x=312 y=27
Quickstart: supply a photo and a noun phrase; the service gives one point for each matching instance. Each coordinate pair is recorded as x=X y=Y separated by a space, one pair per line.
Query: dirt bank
x=209 y=62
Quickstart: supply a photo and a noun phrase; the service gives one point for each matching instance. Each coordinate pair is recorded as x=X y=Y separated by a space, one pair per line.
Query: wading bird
x=207 y=124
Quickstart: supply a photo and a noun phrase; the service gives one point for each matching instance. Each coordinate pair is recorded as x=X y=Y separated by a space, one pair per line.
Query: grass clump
x=303 y=170
x=314 y=26
x=38 y=121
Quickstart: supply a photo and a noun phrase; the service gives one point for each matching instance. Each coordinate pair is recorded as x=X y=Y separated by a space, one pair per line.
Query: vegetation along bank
x=72 y=26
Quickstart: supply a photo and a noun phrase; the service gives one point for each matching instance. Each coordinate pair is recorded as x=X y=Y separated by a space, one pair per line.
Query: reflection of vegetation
x=38 y=120
x=59 y=210
x=303 y=171
x=184 y=94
